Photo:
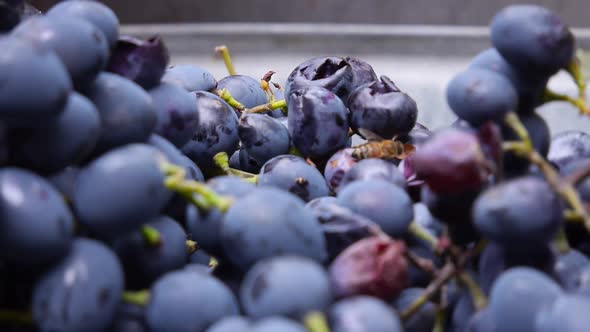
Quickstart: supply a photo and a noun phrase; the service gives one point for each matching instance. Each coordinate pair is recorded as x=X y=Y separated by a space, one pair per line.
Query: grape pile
x=140 y=196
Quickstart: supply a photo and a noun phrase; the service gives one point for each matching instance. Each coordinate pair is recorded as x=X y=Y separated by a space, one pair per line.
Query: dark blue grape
x=569 y=313
x=568 y=146
x=234 y=160
x=463 y=311
x=332 y=73
x=80 y=45
x=362 y=72
x=65 y=181
x=533 y=37
x=119 y=191
x=217 y=130
x=583 y=187
x=82 y=292
x=450 y=208
x=26 y=67
x=384 y=203
x=423 y=319
x=65 y=141
x=142 y=61
x=318 y=122
x=192 y=78
x=293 y=174
x=178 y=116
x=262 y=137
x=374 y=169
x=363 y=313
x=568 y=269
x=127 y=113
x=382 y=108
x=482 y=321
x=231 y=324
x=273 y=324
x=518 y=295
x=200 y=257
x=129 y=318
x=478 y=95
x=418 y=277
x=10 y=15
x=176 y=157
x=424 y=218
x=245 y=89
x=4 y=145
x=337 y=167
x=288 y=285
x=269 y=222
x=92 y=11
x=247 y=163
x=521 y=213
x=540 y=137
x=176 y=302
x=144 y=263
x=36 y=226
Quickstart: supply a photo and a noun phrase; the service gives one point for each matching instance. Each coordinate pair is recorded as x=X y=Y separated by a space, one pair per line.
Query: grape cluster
x=140 y=196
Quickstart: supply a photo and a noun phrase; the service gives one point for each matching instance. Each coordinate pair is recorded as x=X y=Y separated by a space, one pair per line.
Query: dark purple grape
x=373 y=266
x=478 y=95
x=568 y=146
x=81 y=46
x=245 y=89
x=382 y=108
x=262 y=138
x=26 y=67
x=337 y=167
x=450 y=208
x=540 y=136
x=576 y=165
x=423 y=319
x=285 y=285
x=568 y=314
x=178 y=116
x=318 y=122
x=191 y=78
x=92 y=11
x=82 y=292
x=533 y=37
x=65 y=141
x=141 y=61
x=363 y=313
x=521 y=213
x=269 y=222
x=36 y=226
x=247 y=163
x=176 y=302
x=217 y=130
x=374 y=169
x=386 y=204
x=463 y=311
x=127 y=113
x=293 y=174
x=144 y=263
x=362 y=72
x=568 y=269
x=332 y=73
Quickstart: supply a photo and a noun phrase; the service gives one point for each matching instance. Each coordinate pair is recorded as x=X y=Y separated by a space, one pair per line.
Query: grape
x=416 y=276
x=191 y=78
x=82 y=292
x=417 y=136
x=384 y=203
x=127 y=113
x=424 y=218
x=67 y=140
x=144 y=263
x=129 y=318
x=273 y=324
x=568 y=269
x=217 y=130
x=176 y=157
x=4 y=148
x=176 y=302
x=362 y=72
x=9 y=15
x=382 y=108
x=540 y=137
x=478 y=96
x=301 y=280
x=522 y=213
x=568 y=314
x=142 y=61
x=482 y=321
x=252 y=229
x=81 y=46
x=178 y=116
x=517 y=295
x=318 y=122
x=200 y=257
x=452 y=208
x=262 y=137
x=247 y=163
x=533 y=37
x=337 y=167
x=463 y=310
x=94 y=12
x=295 y=175
x=568 y=146
x=332 y=73
x=244 y=89
x=372 y=169
x=363 y=313
x=119 y=191
x=423 y=319
x=231 y=324
x=36 y=226
x=65 y=181
x=28 y=67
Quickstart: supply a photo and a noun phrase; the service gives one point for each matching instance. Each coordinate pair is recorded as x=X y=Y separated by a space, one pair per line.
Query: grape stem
x=213 y=263
x=228 y=98
x=140 y=298
x=421 y=233
x=282 y=104
x=221 y=159
x=316 y=322
x=561 y=241
x=440 y=320
x=17 y=317
x=579 y=102
x=563 y=188
x=575 y=70
x=151 y=236
x=578 y=176
x=423 y=264
x=192 y=246
x=479 y=298
x=265 y=83
x=229 y=64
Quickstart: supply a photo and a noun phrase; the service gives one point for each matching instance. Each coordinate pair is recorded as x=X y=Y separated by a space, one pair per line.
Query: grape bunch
x=141 y=195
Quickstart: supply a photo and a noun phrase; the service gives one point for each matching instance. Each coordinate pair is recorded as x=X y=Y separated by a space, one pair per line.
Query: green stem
x=440 y=320
x=316 y=322
x=16 y=317
x=229 y=64
x=479 y=298
x=221 y=159
x=579 y=103
x=213 y=263
x=445 y=275
x=514 y=122
x=575 y=70
x=192 y=246
x=226 y=95
x=294 y=151
x=561 y=241
x=282 y=104
x=140 y=298
x=421 y=233
x=151 y=236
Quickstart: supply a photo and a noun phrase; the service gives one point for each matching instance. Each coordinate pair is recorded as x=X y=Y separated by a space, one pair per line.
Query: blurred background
x=420 y=44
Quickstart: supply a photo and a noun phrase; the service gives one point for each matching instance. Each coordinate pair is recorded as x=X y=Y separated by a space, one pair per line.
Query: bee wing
x=369 y=135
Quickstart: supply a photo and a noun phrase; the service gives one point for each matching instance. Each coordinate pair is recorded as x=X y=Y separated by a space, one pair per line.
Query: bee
x=379 y=147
